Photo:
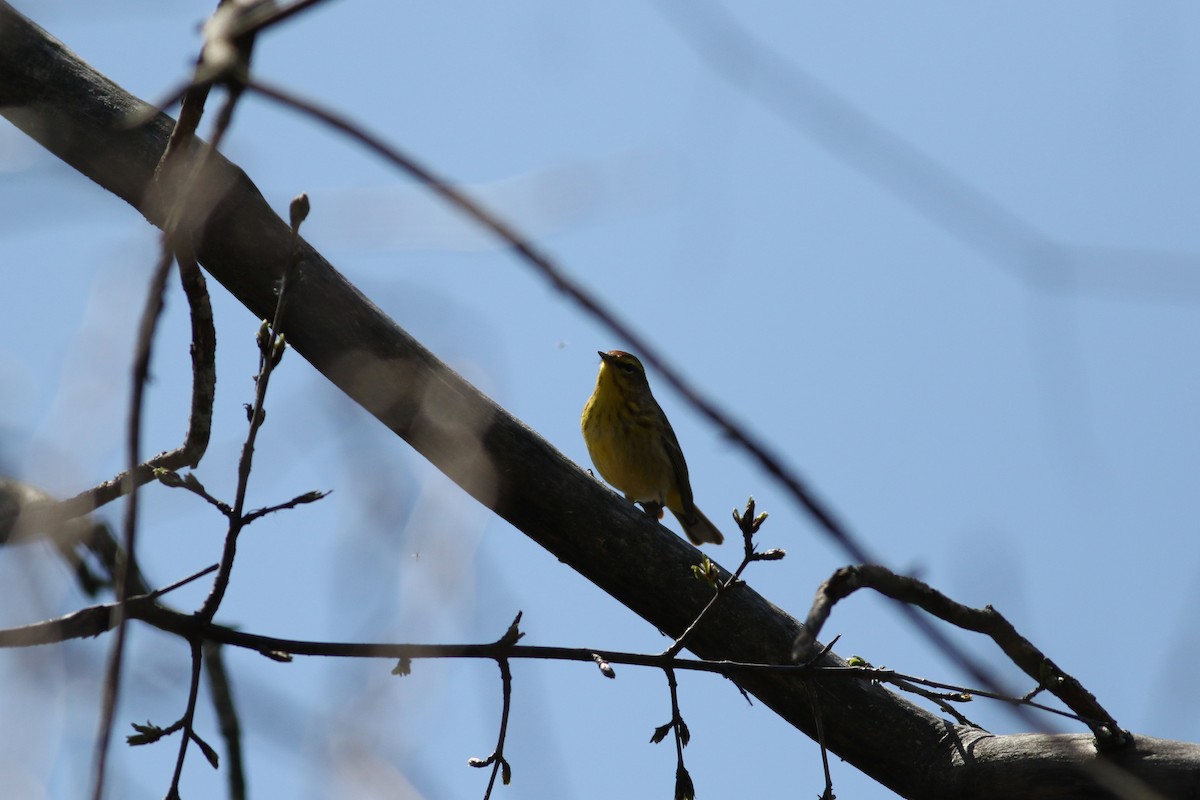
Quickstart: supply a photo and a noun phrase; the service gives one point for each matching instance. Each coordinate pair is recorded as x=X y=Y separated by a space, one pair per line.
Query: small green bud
x=168 y=477
x=277 y=350
x=706 y=571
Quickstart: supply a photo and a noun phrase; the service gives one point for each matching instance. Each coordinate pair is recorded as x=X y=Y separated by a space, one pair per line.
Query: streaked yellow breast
x=625 y=444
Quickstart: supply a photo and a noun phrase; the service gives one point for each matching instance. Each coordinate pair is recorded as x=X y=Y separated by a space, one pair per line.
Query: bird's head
x=624 y=370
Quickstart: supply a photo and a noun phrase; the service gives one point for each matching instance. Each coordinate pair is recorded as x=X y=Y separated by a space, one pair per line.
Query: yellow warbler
x=633 y=447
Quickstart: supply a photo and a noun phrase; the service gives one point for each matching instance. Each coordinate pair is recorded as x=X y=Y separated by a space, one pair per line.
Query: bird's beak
x=604 y=356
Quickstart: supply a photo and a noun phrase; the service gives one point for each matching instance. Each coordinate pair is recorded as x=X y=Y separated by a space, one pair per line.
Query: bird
x=633 y=447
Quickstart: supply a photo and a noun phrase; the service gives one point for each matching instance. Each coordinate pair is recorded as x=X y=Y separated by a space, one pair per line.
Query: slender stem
x=749 y=526
x=816 y=711
x=269 y=340
x=189 y=715
x=676 y=716
x=497 y=758
x=678 y=645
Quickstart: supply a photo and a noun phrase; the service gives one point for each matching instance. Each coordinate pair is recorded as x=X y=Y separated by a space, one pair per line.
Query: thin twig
x=817 y=722
x=187 y=721
x=499 y=763
x=684 y=788
x=271 y=347
x=307 y=497
x=95 y=620
x=191 y=483
x=195 y=442
x=157 y=593
x=749 y=525
x=496 y=760
x=902 y=681
x=946 y=700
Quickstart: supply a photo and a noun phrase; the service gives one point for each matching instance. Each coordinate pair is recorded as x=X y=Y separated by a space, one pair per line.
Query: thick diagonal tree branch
x=82 y=117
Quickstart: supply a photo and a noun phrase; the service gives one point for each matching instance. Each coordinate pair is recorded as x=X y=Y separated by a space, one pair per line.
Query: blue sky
x=1003 y=404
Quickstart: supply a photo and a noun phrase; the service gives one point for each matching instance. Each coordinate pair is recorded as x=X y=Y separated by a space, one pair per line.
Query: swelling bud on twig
x=513 y=634
x=168 y=477
x=262 y=414
x=146 y=734
x=605 y=668
x=277 y=349
x=746 y=521
x=298 y=210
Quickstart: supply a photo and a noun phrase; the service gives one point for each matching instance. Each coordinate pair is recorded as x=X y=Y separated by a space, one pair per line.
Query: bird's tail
x=698 y=527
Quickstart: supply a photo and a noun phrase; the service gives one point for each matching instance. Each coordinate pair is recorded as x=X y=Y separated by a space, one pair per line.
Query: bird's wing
x=679 y=466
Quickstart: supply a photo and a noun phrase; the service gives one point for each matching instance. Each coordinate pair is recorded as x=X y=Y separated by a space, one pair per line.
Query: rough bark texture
x=79 y=115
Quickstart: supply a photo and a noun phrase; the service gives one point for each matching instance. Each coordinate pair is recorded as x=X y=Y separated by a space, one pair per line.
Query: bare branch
x=1022 y=652
x=496 y=760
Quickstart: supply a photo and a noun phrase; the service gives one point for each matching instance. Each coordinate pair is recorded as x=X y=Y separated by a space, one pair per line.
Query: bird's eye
x=628 y=368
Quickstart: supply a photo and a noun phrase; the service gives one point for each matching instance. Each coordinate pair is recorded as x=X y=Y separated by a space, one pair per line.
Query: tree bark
x=80 y=116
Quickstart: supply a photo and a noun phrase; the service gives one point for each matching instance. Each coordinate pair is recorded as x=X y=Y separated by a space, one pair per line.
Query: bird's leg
x=653 y=508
